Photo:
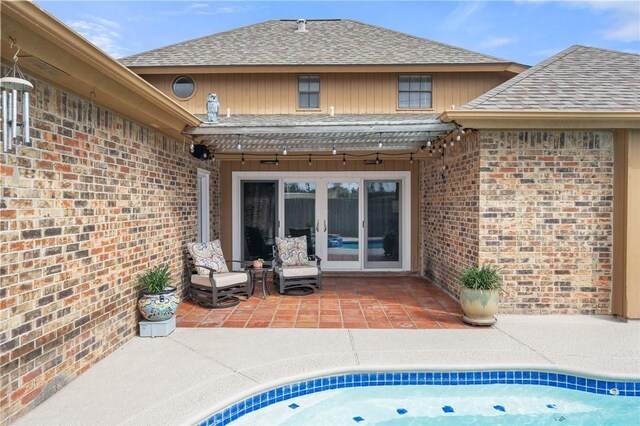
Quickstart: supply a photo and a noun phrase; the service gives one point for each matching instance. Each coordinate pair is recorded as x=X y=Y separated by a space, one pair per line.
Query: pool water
x=449 y=405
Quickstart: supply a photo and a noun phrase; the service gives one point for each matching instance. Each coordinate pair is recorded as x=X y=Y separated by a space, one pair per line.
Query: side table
x=258 y=275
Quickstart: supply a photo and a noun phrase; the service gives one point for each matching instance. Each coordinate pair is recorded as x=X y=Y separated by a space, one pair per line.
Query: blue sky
x=525 y=31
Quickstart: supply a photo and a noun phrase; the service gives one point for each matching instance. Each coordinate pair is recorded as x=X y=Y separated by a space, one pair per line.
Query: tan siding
x=349 y=93
x=227 y=167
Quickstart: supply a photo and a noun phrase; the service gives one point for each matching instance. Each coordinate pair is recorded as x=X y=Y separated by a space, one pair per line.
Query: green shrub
x=154 y=280
x=486 y=277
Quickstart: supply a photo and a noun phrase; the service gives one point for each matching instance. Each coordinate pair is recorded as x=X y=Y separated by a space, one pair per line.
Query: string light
x=277 y=162
x=344 y=159
x=411 y=158
x=380 y=140
x=243 y=158
x=309 y=159
x=284 y=150
x=333 y=150
x=377 y=158
x=238 y=145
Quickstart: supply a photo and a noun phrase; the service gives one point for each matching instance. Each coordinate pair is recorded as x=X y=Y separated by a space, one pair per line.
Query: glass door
x=341 y=225
x=300 y=212
x=259 y=207
x=383 y=213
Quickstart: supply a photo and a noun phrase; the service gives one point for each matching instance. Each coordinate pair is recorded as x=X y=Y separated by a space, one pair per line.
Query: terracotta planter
x=158 y=306
x=479 y=306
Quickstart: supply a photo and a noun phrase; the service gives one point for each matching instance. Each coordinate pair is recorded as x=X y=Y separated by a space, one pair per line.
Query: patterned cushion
x=208 y=254
x=293 y=251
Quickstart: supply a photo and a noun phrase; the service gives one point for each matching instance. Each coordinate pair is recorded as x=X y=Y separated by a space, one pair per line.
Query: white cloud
x=103 y=33
x=497 y=42
x=459 y=16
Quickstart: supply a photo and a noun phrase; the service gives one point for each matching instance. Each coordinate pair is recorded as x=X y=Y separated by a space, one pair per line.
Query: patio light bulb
x=377 y=159
x=411 y=158
x=462 y=131
x=277 y=162
x=243 y=158
x=458 y=137
x=192 y=148
x=333 y=150
x=380 y=144
x=344 y=160
x=309 y=159
x=238 y=145
x=451 y=143
x=284 y=150
x=428 y=143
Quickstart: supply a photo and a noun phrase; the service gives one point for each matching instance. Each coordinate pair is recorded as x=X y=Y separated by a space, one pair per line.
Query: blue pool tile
x=358 y=419
x=572 y=380
x=553 y=377
x=405 y=377
x=447 y=409
x=499 y=408
x=401 y=411
x=562 y=378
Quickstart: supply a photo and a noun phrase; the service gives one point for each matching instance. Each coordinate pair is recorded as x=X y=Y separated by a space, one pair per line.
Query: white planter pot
x=479 y=306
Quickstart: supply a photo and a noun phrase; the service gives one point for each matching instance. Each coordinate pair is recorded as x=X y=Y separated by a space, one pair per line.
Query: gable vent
x=302 y=26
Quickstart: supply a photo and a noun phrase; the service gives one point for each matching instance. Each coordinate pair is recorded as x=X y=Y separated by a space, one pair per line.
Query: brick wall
x=546 y=205
x=449 y=213
x=538 y=204
x=94 y=200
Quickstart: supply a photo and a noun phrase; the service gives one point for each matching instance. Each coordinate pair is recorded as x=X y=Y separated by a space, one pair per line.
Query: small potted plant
x=257 y=264
x=479 y=294
x=158 y=300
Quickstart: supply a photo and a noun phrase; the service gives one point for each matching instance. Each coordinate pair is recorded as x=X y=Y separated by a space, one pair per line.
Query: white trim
x=404 y=176
x=204 y=221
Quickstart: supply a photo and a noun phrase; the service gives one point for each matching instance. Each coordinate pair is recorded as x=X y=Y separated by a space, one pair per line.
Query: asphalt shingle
x=577 y=79
x=326 y=42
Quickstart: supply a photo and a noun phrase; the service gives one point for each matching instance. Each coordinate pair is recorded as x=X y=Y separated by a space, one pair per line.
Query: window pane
x=403 y=100
x=314 y=86
x=314 y=100
x=183 y=87
x=414 y=99
x=304 y=100
x=303 y=86
x=425 y=85
x=415 y=86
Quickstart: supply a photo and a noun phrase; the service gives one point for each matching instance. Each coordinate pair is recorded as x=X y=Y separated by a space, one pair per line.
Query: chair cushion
x=221 y=279
x=293 y=251
x=298 y=271
x=208 y=254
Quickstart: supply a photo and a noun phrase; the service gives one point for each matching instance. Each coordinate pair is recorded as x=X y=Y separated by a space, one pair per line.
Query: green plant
x=156 y=279
x=486 y=277
x=259 y=260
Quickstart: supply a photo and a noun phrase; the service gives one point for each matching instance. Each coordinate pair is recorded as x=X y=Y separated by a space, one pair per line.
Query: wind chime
x=15 y=102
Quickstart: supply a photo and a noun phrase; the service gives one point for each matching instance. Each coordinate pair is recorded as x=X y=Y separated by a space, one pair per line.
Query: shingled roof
x=577 y=79
x=325 y=42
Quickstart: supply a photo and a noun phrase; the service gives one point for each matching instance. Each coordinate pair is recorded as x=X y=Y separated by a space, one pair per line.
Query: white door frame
x=361 y=176
x=204 y=222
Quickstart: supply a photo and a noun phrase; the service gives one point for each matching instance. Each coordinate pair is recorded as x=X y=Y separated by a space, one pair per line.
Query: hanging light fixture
x=243 y=158
x=377 y=158
x=284 y=150
x=333 y=150
x=380 y=140
x=238 y=144
x=14 y=86
x=309 y=159
x=344 y=159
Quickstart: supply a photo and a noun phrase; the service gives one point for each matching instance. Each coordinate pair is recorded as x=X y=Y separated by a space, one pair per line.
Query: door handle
x=318 y=225
x=325 y=225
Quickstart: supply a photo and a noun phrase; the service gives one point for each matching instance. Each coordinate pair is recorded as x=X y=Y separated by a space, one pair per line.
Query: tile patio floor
x=379 y=302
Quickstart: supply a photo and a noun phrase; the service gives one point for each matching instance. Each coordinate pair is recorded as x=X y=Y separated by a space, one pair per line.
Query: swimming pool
x=454 y=397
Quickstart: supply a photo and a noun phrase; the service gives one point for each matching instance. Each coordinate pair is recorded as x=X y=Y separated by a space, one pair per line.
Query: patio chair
x=212 y=284
x=295 y=272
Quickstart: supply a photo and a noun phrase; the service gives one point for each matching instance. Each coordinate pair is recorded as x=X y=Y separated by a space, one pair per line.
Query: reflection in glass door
x=383 y=224
x=342 y=225
x=300 y=212
x=259 y=219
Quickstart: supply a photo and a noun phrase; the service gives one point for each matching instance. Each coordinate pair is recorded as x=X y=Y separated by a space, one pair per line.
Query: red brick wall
x=538 y=204
x=449 y=213
x=94 y=200
x=546 y=212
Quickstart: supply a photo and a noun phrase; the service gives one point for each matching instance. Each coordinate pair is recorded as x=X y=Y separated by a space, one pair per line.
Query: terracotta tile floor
x=344 y=302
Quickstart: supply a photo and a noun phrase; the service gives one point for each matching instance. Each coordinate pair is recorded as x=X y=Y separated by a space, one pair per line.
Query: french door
x=353 y=221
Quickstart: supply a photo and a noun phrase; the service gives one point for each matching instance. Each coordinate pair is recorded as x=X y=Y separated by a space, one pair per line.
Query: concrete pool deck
x=181 y=378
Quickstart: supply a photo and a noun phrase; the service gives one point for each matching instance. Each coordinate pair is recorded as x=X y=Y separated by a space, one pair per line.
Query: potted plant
x=257 y=264
x=158 y=300
x=479 y=294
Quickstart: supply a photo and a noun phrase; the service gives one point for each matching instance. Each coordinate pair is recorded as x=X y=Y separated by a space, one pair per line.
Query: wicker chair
x=218 y=289
x=307 y=277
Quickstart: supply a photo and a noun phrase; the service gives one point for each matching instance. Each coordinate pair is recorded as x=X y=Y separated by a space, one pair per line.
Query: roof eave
x=86 y=68
x=543 y=119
